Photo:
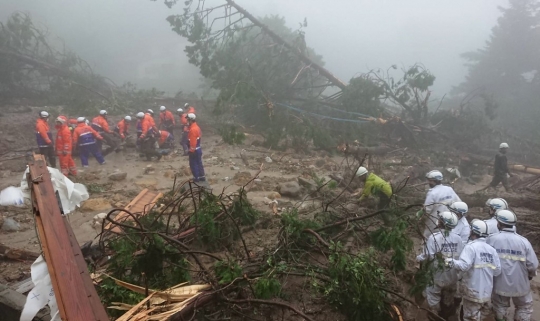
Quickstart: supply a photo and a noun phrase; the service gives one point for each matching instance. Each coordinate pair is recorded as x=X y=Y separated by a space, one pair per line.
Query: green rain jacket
x=375 y=185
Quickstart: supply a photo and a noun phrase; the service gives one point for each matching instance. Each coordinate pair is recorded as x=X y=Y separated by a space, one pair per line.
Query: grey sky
x=127 y=39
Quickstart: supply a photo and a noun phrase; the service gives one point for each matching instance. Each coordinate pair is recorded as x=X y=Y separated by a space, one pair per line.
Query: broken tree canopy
x=31 y=66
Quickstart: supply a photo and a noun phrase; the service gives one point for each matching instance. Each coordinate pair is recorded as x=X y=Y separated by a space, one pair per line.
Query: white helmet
x=179 y=110
x=103 y=112
x=186 y=105
x=162 y=108
x=61 y=119
x=449 y=219
x=497 y=204
x=191 y=116
x=506 y=217
x=43 y=114
x=149 y=110
x=434 y=175
x=140 y=114
x=81 y=120
x=459 y=208
x=361 y=171
x=503 y=145
x=479 y=228
x=128 y=118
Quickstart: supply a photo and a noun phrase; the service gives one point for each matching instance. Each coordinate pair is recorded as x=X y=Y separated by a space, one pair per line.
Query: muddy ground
x=225 y=170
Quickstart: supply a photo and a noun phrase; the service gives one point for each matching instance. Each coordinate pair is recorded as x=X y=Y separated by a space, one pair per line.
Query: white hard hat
x=81 y=120
x=361 y=171
x=61 y=119
x=497 y=204
x=503 y=145
x=43 y=114
x=150 y=111
x=186 y=105
x=449 y=219
x=191 y=116
x=103 y=112
x=434 y=175
x=459 y=208
x=479 y=228
x=140 y=114
x=180 y=110
x=128 y=118
x=506 y=217
x=162 y=108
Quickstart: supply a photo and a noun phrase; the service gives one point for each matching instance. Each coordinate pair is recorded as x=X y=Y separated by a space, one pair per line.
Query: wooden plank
x=141 y=205
x=24 y=286
x=74 y=300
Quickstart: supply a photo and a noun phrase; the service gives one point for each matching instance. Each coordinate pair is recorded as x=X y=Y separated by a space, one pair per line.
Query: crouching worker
x=85 y=137
x=376 y=186
x=64 y=146
x=446 y=244
x=165 y=142
x=195 y=152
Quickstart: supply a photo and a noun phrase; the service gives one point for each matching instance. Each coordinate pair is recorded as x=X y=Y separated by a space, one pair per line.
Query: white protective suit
x=442 y=195
x=518 y=263
x=480 y=263
x=492 y=226
x=450 y=246
x=463 y=229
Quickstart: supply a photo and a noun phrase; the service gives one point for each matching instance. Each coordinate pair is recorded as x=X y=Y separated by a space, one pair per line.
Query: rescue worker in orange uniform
x=44 y=138
x=166 y=140
x=122 y=127
x=195 y=152
x=64 y=147
x=185 y=129
x=147 y=139
x=189 y=109
x=101 y=125
x=166 y=120
x=85 y=137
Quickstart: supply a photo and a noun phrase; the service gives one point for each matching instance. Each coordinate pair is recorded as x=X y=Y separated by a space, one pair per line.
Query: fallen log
x=8 y=253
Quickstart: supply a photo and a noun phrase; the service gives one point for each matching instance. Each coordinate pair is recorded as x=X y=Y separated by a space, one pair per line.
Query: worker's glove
x=449 y=262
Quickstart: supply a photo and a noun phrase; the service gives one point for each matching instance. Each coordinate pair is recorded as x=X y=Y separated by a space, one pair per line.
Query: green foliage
x=242 y=210
x=423 y=277
x=394 y=239
x=110 y=292
x=227 y=271
x=293 y=227
x=355 y=285
x=231 y=136
x=209 y=231
x=267 y=288
x=362 y=95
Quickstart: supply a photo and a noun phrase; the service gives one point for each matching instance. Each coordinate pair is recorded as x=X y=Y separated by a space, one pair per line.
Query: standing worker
x=195 y=152
x=374 y=185
x=101 y=125
x=185 y=130
x=501 y=172
x=189 y=109
x=519 y=264
x=480 y=263
x=64 y=145
x=494 y=205
x=147 y=139
x=166 y=120
x=445 y=243
x=45 y=138
x=437 y=199
x=463 y=228
x=122 y=127
x=85 y=137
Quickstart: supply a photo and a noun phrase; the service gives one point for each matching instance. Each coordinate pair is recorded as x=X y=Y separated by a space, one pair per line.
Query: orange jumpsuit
x=63 y=149
x=101 y=123
x=148 y=124
x=122 y=128
x=166 y=119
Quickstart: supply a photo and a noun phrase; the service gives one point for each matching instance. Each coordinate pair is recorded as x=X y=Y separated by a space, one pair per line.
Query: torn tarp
x=42 y=294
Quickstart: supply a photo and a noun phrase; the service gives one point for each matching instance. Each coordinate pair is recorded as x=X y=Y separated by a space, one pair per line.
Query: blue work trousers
x=196 y=166
x=86 y=150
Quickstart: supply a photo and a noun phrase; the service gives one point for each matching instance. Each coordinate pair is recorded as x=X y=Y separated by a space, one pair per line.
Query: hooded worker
x=374 y=185
x=44 y=138
x=101 y=125
x=64 y=146
x=85 y=137
x=438 y=198
x=195 y=152
x=166 y=120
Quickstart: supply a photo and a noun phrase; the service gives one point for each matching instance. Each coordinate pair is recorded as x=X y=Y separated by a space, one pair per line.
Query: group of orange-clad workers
x=85 y=137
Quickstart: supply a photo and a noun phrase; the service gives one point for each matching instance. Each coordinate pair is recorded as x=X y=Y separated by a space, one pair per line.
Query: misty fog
x=130 y=40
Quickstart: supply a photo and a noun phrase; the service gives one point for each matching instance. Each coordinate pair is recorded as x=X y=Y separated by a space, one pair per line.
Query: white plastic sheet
x=42 y=294
x=71 y=194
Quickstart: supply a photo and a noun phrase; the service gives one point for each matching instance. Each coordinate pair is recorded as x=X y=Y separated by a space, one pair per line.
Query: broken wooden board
x=141 y=205
x=16 y=254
